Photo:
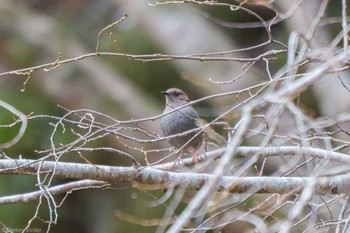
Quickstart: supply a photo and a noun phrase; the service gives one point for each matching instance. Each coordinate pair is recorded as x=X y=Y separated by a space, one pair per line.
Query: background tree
x=80 y=113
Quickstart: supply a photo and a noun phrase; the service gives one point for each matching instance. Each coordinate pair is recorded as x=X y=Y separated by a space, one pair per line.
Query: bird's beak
x=164 y=92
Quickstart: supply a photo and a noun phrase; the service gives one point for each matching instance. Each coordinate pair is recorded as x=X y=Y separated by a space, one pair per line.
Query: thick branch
x=152 y=178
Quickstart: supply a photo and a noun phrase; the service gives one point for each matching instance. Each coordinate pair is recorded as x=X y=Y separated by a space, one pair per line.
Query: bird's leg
x=179 y=157
x=195 y=155
x=205 y=142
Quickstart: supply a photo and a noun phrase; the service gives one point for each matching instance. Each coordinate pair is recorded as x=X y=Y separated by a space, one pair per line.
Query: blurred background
x=33 y=32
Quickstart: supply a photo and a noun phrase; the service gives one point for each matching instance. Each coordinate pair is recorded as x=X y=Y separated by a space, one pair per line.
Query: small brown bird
x=181 y=121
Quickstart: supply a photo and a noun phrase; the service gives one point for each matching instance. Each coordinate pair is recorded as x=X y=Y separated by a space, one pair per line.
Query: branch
x=148 y=57
x=150 y=178
x=59 y=189
x=21 y=131
x=160 y=176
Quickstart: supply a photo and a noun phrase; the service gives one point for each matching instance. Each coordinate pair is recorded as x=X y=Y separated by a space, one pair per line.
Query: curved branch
x=21 y=131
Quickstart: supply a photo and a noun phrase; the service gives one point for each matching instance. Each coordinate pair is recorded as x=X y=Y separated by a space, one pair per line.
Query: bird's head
x=175 y=97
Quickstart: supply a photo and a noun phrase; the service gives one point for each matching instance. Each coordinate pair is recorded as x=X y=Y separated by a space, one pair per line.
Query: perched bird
x=181 y=121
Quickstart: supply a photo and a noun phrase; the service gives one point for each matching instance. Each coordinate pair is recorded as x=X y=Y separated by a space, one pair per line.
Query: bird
x=181 y=121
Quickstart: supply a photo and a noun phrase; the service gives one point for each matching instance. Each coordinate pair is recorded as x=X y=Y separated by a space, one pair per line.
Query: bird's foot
x=195 y=158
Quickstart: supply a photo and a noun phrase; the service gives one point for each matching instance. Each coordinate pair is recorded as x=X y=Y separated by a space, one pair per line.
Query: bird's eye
x=177 y=94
